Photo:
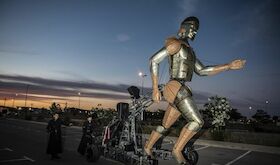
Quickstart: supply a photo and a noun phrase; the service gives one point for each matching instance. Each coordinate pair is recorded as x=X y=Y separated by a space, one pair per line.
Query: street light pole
x=266 y=104
x=142 y=75
x=5 y=101
x=79 y=94
x=14 y=100
x=26 y=92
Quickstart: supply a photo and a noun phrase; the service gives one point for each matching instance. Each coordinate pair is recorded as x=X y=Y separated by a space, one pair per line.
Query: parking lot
x=8 y=156
x=209 y=155
x=24 y=143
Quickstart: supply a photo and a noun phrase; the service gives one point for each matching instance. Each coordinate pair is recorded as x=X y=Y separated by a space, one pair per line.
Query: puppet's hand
x=237 y=64
x=156 y=95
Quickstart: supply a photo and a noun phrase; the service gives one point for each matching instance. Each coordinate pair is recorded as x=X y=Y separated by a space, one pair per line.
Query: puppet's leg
x=189 y=111
x=170 y=116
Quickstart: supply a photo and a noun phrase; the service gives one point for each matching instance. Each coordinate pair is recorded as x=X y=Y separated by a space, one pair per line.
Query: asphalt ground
x=24 y=142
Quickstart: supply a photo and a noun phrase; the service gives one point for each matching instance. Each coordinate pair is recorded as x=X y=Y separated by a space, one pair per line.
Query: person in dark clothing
x=55 y=139
x=88 y=130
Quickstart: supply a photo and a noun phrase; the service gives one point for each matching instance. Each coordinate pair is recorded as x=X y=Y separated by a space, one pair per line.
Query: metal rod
x=26 y=92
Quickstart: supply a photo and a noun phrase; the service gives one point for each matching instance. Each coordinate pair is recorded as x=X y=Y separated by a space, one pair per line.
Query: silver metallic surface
x=190 y=111
x=183 y=93
x=181 y=64
x=181 y=68
x=160 y=129
x=202 y=70
x=156 y=59
x=191 y=32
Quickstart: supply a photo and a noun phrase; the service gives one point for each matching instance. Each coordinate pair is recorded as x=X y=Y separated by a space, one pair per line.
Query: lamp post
x=5 y=101
x=79 y=94
x=14 y=100
x=13 y=104
x=266 y=104
x=142 y=75
x=26 y=92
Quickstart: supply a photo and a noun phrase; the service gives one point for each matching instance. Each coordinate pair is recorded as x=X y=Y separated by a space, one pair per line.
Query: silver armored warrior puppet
x=182 y=64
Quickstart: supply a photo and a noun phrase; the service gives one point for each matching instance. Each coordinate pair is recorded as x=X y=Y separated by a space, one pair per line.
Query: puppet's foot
x=179 y=157
x=150 y=143
x=184 y=137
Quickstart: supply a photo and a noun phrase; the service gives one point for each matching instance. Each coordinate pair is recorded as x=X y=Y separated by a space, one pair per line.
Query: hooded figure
x=88 y=130
x=55 y=139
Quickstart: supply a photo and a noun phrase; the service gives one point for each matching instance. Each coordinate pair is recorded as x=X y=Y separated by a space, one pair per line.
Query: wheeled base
x=130 y=158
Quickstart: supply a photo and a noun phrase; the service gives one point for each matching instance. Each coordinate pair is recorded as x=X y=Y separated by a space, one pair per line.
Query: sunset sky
x=59 y=48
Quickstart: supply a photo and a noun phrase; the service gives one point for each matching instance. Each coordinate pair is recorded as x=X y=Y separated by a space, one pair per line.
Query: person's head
x=188 y=28
x=55 y=116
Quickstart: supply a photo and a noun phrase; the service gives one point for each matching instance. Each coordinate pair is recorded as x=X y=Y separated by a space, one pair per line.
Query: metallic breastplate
x=182 y=64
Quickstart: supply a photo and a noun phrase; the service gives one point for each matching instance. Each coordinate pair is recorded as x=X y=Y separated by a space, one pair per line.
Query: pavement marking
x=239 y=157
x=16 y=160
x=6 y=149
x=27 y=158
x=215 y=164
x=201 y=148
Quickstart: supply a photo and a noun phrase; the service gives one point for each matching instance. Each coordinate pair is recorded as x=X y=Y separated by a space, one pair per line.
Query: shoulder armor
x=173 y=45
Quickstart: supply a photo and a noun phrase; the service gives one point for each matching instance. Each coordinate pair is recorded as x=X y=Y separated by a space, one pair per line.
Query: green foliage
x=103 y=117
x=218 y=135
x=219 y=109
x=275 y=119
x=55 y=108
x=235 y=115
x=261 y=116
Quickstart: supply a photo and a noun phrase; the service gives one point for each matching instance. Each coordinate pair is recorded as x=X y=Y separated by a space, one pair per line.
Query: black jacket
x=55 y=139
x=88 y=129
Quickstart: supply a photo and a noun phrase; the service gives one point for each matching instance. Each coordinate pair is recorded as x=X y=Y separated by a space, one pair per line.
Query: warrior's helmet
x=189 y=28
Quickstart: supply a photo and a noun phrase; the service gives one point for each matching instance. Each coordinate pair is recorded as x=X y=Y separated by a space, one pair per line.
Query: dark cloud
x=11 y=84
x=63 y=90
x=42 y=82
x=18 y=84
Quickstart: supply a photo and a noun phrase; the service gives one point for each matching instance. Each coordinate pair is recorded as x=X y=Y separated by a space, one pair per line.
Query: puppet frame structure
x=123 y=138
